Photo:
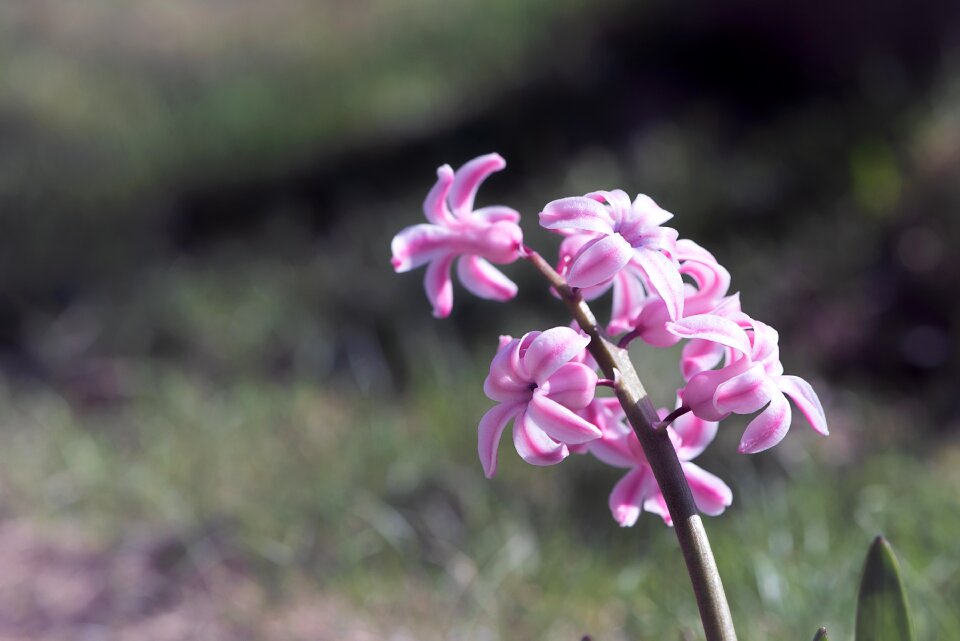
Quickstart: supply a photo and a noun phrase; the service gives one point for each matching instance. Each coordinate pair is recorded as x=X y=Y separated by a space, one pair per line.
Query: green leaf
x=821 y=635
x=882 y=613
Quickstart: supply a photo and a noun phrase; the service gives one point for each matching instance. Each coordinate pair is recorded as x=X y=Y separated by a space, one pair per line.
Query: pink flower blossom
x=712 y=281
x=751 y=378
x=638 y=489
x=477 y=236
x=634 y=310
x=625 y=232
x=539 y=385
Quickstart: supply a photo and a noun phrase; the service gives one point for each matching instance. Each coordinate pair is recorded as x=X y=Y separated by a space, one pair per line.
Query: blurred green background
x=223 y=416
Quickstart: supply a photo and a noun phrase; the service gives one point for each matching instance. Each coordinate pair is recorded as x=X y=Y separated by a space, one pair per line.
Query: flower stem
x=615 y=363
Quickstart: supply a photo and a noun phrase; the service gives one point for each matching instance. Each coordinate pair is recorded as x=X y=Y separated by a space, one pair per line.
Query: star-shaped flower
x=455 y=229
x=539 y=385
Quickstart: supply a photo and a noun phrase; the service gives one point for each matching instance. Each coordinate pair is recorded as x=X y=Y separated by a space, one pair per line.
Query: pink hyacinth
x=633 y=309
x=638 y=489
x=539 y=385
x=478 y=237
x=751 y=378
x=625 y=232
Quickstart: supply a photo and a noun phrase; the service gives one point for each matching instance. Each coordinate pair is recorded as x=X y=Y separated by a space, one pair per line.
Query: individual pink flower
x=477 y=236
x=625 y=232
x=638 y=489
x=539 y=385
x=751 y=379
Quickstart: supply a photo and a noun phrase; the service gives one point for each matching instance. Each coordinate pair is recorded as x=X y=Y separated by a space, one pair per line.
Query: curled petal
x=664 y=279
x=766 y=349
x=573 y=385
x=549 y=351
x=489 y=432
x=599 y=260
x=618 y=200
x=656 y=504
x=651 y=213
x=628 y=495
x=711 y=327
x=711 y=495
x=744 y=393
x=560 y=423
x=533 y=445
x=484 y=280
x=435 y=205
x=497 y=213
x=505 y=382
x=418 y=245
x=468 y=179
x=577 y=213
x=806 y=400
x=769 y=427
x=651 y=321
x=628 y=297
x=618 y=446
x=695 y=435
x=701 y=390
x=699 y=356
x=438 y=285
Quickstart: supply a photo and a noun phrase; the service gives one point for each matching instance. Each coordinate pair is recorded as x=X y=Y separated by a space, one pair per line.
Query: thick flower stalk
x=478 y=237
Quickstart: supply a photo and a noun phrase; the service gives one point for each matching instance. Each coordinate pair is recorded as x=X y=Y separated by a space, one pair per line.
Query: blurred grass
x=161 y=90
x=381 y=499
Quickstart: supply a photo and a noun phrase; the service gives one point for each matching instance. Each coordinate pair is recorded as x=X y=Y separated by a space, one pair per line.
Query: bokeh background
x=222 y=416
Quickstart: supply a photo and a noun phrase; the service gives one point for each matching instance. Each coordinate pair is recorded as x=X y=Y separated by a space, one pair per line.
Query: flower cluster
x=545 y=382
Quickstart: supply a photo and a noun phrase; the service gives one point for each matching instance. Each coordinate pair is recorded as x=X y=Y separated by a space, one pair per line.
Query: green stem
x=615 y=364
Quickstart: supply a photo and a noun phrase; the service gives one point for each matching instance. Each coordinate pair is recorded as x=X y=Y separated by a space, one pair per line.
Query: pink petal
x=599 y=260
x=618 y=200
x=701 y=390
x=695 y=435
x=505 y=383
x=712 y=328
x=768 y=428
x=496 y=213
x=689 y=250
x=664 y=279
x=652 y=214
x=628 y=297
x=489 y=432
x=550 y=350
x=573 y=385
x=626 y=499
x=618 y=450
x=560 y=423
x=468 y=179
x=418 y=245
x=577 y=213
x=656 y=504
x=652 y=321
x=438 y=285
x=711 y=495
x=766 y=349
x=484 y=280
x=533 y=445
x=435 y=205
x=744 y=393
x=806 y=400
x=699 y=356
